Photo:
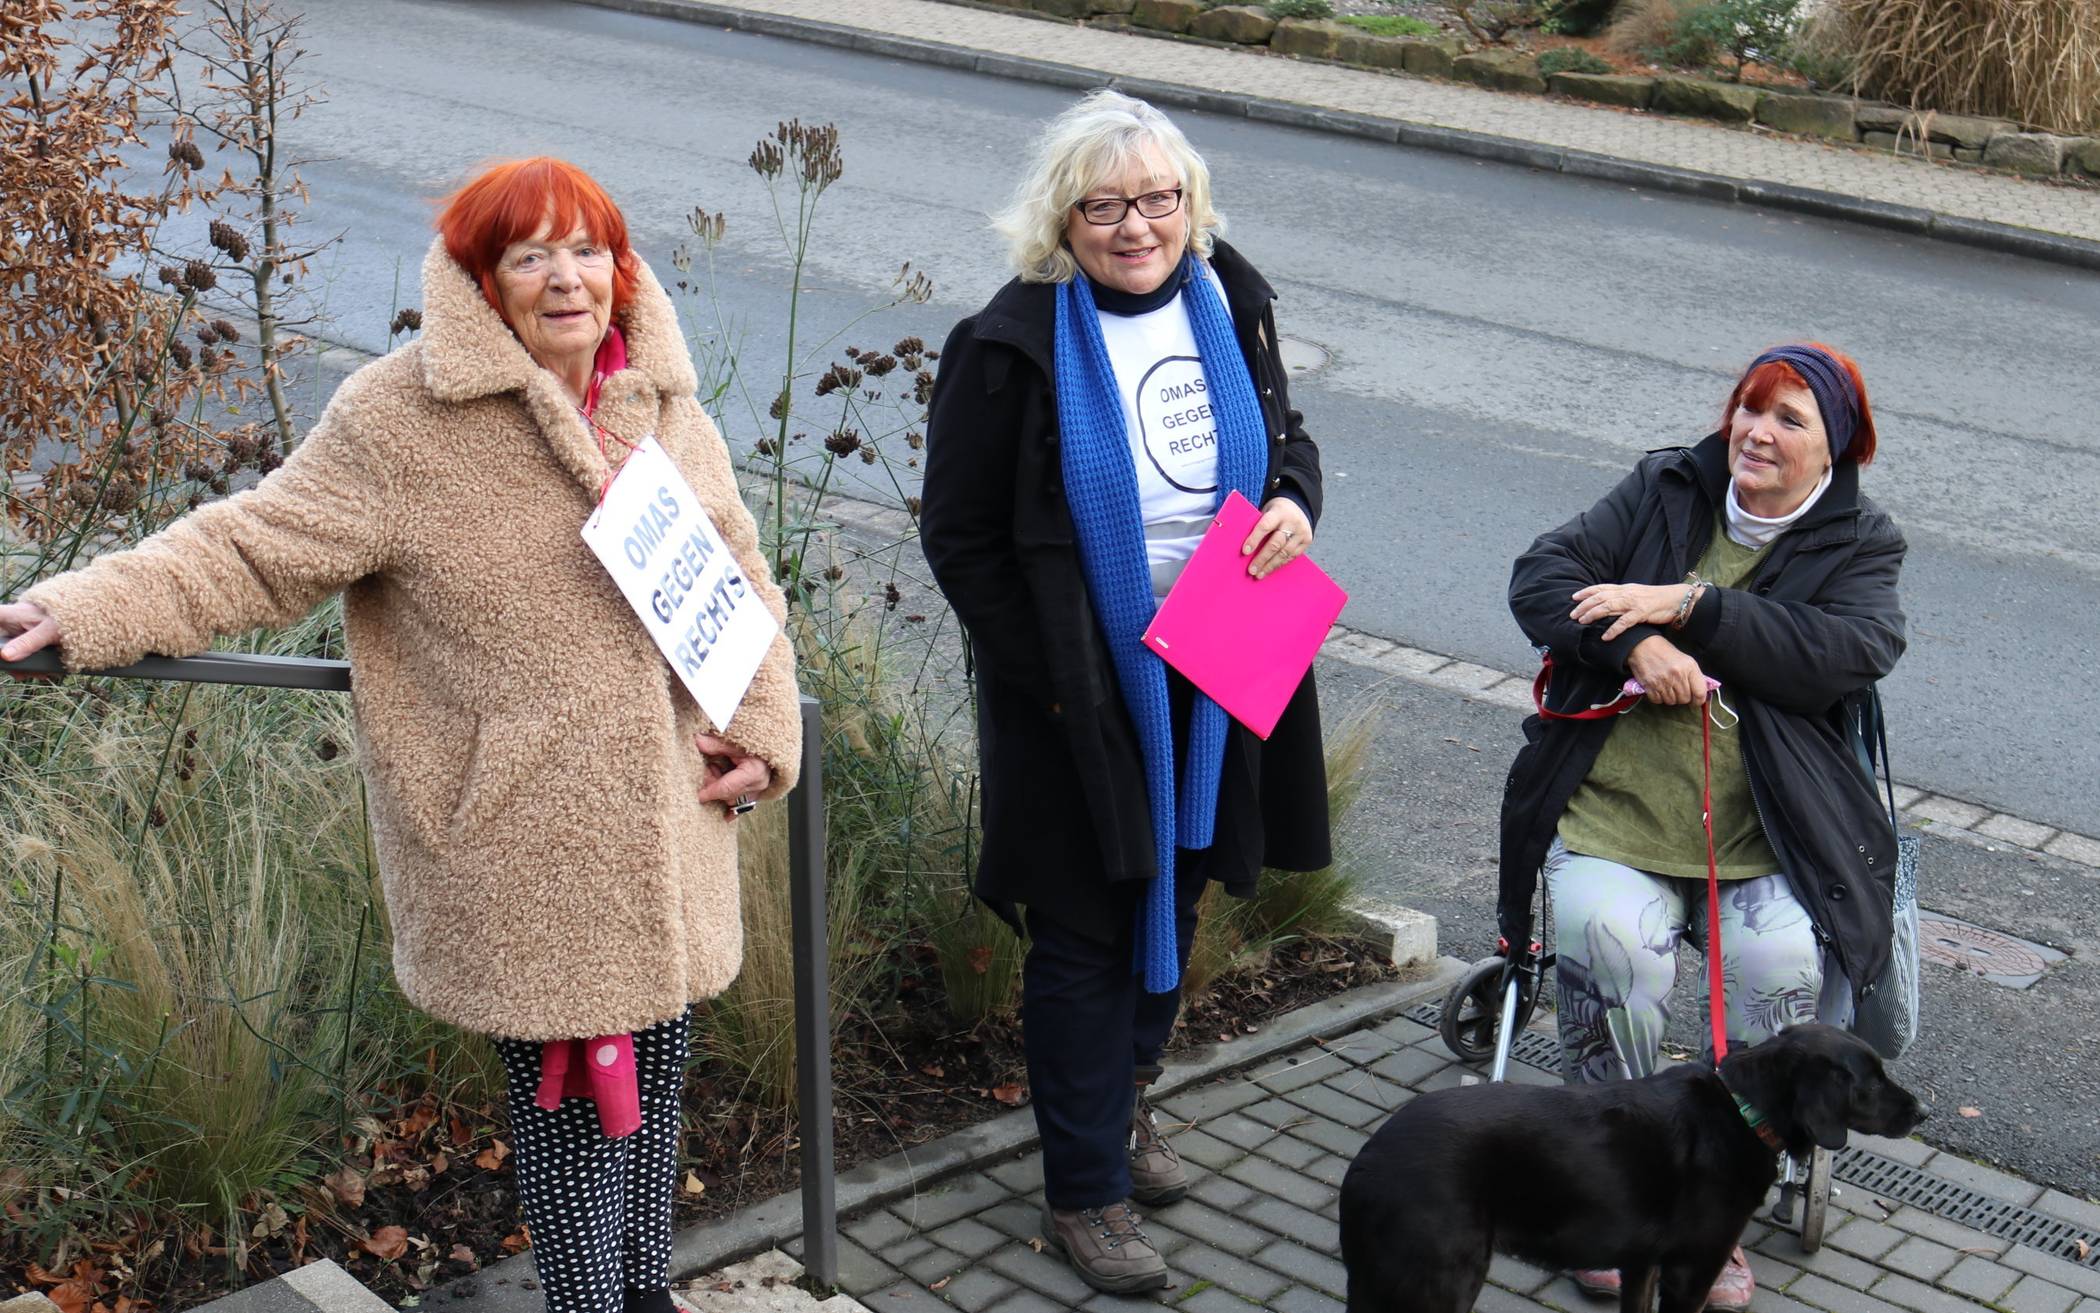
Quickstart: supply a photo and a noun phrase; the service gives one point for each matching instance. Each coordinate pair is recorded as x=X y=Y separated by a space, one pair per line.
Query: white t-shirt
x=1173 y=435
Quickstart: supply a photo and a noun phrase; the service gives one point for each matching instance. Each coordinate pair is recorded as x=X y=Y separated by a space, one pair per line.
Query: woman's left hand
x=1634 y=604
x=743 y=775
x=1280 y=535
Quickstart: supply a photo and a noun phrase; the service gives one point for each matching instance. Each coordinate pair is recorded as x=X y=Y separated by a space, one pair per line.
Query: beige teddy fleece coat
x=529 y=753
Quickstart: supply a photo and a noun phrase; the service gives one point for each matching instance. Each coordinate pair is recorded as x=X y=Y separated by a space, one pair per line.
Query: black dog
x=1655 y=1177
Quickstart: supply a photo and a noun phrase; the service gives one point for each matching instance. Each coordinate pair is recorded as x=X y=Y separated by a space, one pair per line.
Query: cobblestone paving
x=1266 y=1151
x=1732 y=153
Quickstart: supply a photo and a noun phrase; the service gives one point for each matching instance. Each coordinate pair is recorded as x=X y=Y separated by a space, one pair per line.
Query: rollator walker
x=1494 y=1001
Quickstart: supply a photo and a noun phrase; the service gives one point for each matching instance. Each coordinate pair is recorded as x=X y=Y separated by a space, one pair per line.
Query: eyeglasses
x=1106 y=211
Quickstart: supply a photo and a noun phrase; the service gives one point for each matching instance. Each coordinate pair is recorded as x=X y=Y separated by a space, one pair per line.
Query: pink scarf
x=599 y=1069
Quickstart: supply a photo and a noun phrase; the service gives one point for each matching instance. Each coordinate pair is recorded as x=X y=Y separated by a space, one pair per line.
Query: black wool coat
x=1816 y=625
x=1067 y=824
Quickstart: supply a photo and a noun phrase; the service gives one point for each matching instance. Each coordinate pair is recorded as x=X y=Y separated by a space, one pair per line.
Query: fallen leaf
x=1009 y=1094
x=347 y=1185
x=516 y=1241
x=941 y=1284
x=462 y=1254
x=438 y=1164
x=694 y=1185
x=418 y=1121
x=981 y=959
x=934 y=1070
x=1035 y=1242
x=273 y=1220
x=72 y=1297
x=2083 y=1249
x=388 y=1242
x=492 y=1157
x=1971 y=1112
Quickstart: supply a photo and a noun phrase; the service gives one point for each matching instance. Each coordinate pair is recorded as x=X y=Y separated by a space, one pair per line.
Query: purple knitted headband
x=1830 y=382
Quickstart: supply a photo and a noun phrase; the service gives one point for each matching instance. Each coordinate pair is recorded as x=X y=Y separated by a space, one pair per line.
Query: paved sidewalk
x=1921 y=190
x=1267 y=1149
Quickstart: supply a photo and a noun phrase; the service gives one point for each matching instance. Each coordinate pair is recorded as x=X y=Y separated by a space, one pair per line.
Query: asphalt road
x=1502 y=345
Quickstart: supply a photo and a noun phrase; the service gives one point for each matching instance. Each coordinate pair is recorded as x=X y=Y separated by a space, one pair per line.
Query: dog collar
x=1754 y=1119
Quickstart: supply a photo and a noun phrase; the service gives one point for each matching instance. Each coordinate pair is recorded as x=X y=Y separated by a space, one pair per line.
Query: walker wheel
x=1473 y=1009
x=1815 y=1201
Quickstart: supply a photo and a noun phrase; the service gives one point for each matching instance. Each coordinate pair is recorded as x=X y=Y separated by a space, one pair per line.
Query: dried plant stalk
x=2034 y=61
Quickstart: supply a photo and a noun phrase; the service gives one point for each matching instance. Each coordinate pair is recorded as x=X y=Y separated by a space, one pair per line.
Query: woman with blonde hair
x=1086 y=426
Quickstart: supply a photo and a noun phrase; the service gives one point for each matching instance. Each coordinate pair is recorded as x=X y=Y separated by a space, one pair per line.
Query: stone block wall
x=1963 y=139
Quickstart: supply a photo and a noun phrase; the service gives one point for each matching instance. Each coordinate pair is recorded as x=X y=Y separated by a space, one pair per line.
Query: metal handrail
x=806 y=876
x=210 y=668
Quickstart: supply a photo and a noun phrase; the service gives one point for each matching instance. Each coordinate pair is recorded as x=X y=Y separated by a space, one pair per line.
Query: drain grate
x=1532 y=1048
x=1885 y=1177
x=1957 y=1203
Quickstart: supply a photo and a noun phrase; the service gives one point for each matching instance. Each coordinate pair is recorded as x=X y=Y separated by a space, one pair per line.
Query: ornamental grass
x=2033 y=61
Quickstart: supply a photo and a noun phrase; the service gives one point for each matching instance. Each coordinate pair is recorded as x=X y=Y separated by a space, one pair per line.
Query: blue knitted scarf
x=1101 y=487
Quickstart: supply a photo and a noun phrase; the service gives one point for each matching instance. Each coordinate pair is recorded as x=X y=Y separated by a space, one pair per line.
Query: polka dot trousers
x=599 y=1209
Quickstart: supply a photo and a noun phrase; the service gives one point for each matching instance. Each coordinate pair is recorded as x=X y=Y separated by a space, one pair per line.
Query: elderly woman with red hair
x=1751 y=559
x=553 y=815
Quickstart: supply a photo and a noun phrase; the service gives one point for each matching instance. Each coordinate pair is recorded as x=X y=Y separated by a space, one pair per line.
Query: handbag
x=1886 y=1015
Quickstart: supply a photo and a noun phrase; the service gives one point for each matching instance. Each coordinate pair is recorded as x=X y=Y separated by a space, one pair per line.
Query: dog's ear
x=1823 y=1101
x=1800 y=1087
x=1763 y=1074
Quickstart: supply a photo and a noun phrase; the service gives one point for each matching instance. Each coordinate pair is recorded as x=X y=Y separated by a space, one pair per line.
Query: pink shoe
x=1733 y=1288
x=1602 y=1282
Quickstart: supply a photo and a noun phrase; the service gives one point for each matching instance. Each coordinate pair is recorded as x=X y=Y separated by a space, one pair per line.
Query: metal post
x=1507 y=1033
x=806 y=880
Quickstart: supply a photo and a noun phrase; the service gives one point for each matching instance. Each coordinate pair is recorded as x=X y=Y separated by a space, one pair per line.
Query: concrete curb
x=320 y=1287
x=1935 y=814
x=2004 y=238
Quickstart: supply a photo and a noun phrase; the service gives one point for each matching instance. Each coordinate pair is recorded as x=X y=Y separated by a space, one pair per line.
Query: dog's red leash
x=1628 y=698
x=1715 y=1009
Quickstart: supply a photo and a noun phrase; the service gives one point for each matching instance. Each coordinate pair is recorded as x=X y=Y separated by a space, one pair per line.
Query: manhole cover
x=1992 y=954
x=1301 y=357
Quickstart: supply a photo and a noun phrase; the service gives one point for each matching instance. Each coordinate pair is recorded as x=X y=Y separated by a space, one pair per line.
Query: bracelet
x=1693 y=586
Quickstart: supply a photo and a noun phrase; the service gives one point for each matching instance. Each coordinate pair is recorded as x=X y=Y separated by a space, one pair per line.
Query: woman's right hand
x=1671 y=678
x=27 y=628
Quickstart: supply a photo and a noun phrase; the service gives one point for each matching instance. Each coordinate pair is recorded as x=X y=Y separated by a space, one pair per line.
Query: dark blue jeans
x=1089 y=1027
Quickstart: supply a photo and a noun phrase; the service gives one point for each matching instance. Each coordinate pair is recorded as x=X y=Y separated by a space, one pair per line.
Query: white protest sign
x=661 y=548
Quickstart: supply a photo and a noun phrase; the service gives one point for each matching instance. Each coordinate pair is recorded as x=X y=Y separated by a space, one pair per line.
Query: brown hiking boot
x=1156 y=1173
x=1106 y=1248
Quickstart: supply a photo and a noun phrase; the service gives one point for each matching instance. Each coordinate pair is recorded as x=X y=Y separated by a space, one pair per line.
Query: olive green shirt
x=1639 y=805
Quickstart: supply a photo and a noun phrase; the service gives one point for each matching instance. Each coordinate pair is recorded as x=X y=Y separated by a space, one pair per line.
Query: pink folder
x=1245 y=641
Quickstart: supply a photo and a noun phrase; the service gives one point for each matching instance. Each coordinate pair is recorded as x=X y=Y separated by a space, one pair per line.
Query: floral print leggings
x=1616 y=932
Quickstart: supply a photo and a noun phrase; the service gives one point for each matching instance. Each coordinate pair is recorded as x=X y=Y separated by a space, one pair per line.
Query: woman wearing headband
x=1753 y=560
